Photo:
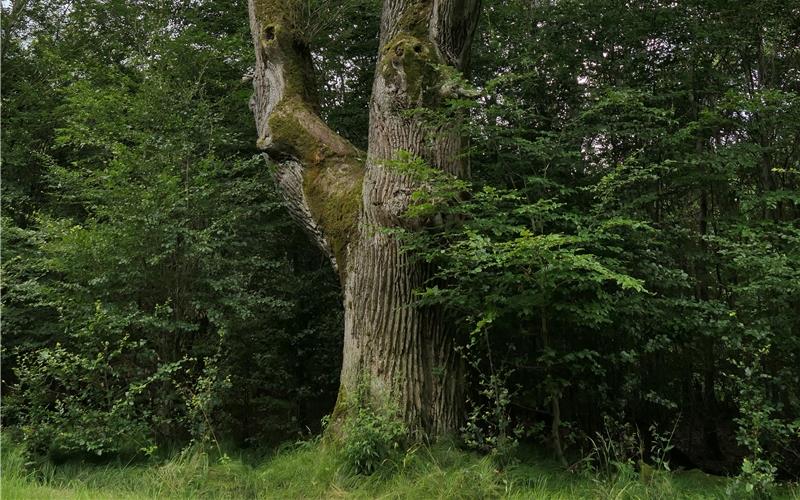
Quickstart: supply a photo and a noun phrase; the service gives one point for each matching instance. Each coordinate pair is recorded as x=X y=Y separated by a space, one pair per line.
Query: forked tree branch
x=319 y=172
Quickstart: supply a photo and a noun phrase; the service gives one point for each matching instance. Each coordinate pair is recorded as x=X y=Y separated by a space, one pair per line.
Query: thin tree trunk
x=555 y=426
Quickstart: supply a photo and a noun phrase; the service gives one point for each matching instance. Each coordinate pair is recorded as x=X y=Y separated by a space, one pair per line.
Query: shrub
x=371 y=439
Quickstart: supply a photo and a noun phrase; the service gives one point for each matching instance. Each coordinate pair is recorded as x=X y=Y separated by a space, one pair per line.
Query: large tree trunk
x=395 y=354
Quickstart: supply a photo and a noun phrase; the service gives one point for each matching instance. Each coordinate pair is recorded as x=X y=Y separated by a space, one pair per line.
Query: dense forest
x=550 y=228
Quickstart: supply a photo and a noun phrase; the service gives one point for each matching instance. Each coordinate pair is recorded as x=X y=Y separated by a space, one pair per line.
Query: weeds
x=317 y=470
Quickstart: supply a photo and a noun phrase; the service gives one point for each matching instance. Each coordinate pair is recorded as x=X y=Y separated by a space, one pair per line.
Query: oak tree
x=395 y=352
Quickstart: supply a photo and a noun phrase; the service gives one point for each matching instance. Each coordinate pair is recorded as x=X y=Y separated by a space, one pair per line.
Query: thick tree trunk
x=405 y=353
x=396 y=354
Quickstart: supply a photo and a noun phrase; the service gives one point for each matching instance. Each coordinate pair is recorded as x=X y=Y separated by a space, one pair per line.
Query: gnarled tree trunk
x=399 y=354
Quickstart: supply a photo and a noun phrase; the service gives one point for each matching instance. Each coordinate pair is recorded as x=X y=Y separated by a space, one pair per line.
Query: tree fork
x=401 y=355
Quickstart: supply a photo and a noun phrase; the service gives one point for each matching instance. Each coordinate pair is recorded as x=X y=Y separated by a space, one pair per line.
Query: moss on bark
x=334 y=198
x=409 y=65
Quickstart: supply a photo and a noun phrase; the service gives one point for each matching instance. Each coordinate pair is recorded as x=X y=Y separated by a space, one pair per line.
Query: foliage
x=154 y=290
x=372 y=437
x=757 y=479
x=627 y=244
x=94 y=400
x=489 y=427
x=517 y=266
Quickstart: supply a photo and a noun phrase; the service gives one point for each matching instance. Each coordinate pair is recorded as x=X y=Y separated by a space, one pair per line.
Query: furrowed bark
x=406 y=355
x=403 y=355
x=319 y=172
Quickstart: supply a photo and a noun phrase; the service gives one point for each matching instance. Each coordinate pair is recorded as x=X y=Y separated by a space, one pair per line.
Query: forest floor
x=312 y=470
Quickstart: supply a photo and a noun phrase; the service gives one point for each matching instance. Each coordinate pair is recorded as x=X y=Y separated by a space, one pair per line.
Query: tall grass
x=316 y=470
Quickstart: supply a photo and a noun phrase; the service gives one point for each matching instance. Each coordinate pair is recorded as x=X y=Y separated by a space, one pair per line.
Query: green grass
x=314 y=470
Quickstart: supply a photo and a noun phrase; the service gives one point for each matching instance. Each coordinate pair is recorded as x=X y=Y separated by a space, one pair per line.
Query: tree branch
x=320 y=172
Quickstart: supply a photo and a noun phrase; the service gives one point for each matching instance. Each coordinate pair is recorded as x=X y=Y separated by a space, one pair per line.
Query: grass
x=316 y=470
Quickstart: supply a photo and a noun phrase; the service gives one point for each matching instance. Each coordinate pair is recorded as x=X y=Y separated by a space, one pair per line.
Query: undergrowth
x=317 y=469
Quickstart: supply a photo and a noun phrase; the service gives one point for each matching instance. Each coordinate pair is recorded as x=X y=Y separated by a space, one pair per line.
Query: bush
x=95 y=399
x=372 y=438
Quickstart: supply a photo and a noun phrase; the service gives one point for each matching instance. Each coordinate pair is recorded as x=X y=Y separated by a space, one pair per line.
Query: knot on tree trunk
x=408 y=67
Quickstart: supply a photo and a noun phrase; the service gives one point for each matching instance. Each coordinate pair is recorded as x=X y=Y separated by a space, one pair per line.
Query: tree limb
x=320 y=172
